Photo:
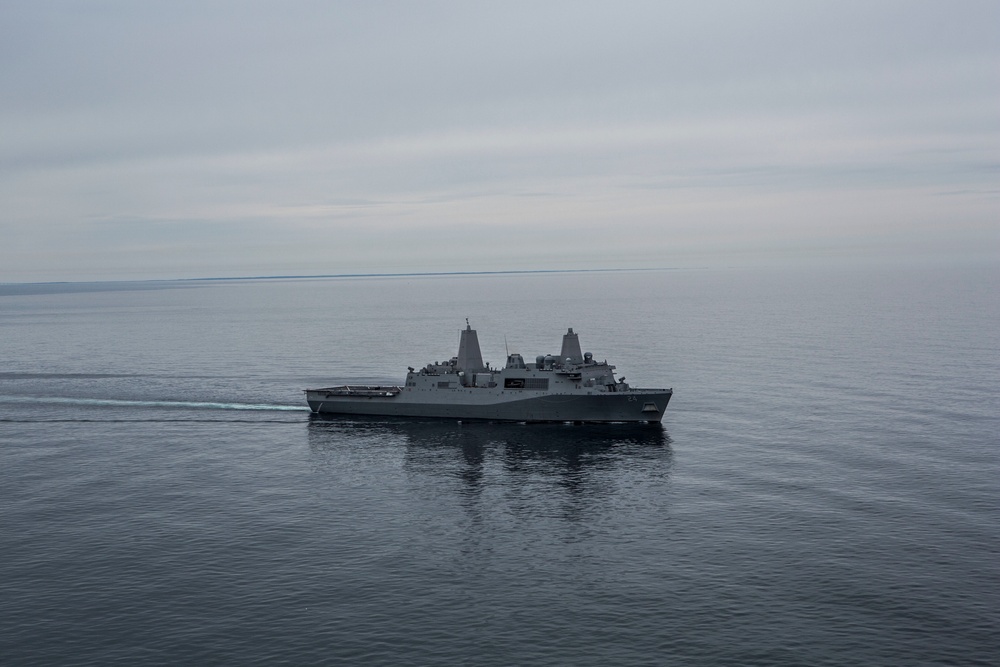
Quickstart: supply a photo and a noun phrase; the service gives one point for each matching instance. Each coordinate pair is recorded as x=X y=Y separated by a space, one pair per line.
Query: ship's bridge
x=515 y=361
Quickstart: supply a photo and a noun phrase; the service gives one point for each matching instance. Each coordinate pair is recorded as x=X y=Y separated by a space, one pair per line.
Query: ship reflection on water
x=587 y=459
x=548 y=440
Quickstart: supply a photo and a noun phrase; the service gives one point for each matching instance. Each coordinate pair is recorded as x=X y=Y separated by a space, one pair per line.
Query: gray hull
x=634 y=405
x=570 y=387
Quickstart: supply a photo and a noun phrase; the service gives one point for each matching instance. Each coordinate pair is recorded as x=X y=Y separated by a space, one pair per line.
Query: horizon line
x=344 y=275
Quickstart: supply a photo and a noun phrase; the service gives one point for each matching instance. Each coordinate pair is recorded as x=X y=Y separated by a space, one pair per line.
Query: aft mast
x=470 y=358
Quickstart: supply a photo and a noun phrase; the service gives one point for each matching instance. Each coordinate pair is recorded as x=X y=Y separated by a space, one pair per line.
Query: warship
x=571 y=387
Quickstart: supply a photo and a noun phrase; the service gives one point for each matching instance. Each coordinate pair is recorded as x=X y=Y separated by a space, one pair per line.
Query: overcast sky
x=143 y=139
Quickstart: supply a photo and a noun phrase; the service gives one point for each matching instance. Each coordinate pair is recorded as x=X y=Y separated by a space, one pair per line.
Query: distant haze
x=189 y=139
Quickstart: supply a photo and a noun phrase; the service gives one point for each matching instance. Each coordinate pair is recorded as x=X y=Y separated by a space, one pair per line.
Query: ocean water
x=824 y=488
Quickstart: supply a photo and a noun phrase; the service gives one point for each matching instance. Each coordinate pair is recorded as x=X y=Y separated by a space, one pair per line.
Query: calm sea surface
x=824 y=489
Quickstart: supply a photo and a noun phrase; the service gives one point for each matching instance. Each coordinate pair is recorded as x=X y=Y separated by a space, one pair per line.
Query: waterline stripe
x=152 y=404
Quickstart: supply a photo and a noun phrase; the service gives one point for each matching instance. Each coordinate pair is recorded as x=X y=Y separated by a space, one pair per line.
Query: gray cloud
x=222 y=138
